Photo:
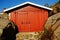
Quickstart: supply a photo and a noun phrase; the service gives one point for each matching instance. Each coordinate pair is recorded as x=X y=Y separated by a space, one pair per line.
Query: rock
x=3 y=21
x=52 y=27
x=29 y=36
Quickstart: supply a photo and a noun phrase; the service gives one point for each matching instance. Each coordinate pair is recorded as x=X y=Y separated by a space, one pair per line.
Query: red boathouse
x=29 y=17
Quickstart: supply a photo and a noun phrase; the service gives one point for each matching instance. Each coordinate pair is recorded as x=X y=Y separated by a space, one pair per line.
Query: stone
x=29 y=35
x=52 y=27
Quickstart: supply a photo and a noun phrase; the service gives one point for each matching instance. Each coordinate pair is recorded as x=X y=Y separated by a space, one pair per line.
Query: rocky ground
x=29 y=36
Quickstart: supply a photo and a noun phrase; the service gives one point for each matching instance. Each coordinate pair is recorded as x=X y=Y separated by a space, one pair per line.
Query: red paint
x=29 y=19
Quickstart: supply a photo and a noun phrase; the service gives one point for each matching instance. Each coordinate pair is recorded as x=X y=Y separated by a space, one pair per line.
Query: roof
x=25 y=4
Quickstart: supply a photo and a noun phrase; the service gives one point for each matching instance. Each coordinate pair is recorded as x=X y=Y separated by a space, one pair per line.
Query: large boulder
x=3 y=21
x=51 y=28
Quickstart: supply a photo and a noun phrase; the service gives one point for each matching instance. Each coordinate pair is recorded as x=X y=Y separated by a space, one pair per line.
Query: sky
x=10 y=3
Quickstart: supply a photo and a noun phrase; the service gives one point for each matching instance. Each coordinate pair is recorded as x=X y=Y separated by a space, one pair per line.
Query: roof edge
x=27 y=3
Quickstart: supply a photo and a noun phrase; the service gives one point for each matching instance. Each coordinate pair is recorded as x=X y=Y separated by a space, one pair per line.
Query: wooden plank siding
x=29 y=19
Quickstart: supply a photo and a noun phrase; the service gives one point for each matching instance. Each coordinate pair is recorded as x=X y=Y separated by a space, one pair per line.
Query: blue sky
x=11 y=3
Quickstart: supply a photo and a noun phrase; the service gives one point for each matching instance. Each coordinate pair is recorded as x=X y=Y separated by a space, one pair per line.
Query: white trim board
x=29 y=3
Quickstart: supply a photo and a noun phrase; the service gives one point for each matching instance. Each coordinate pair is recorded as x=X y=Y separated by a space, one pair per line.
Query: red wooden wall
x=29 y=19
